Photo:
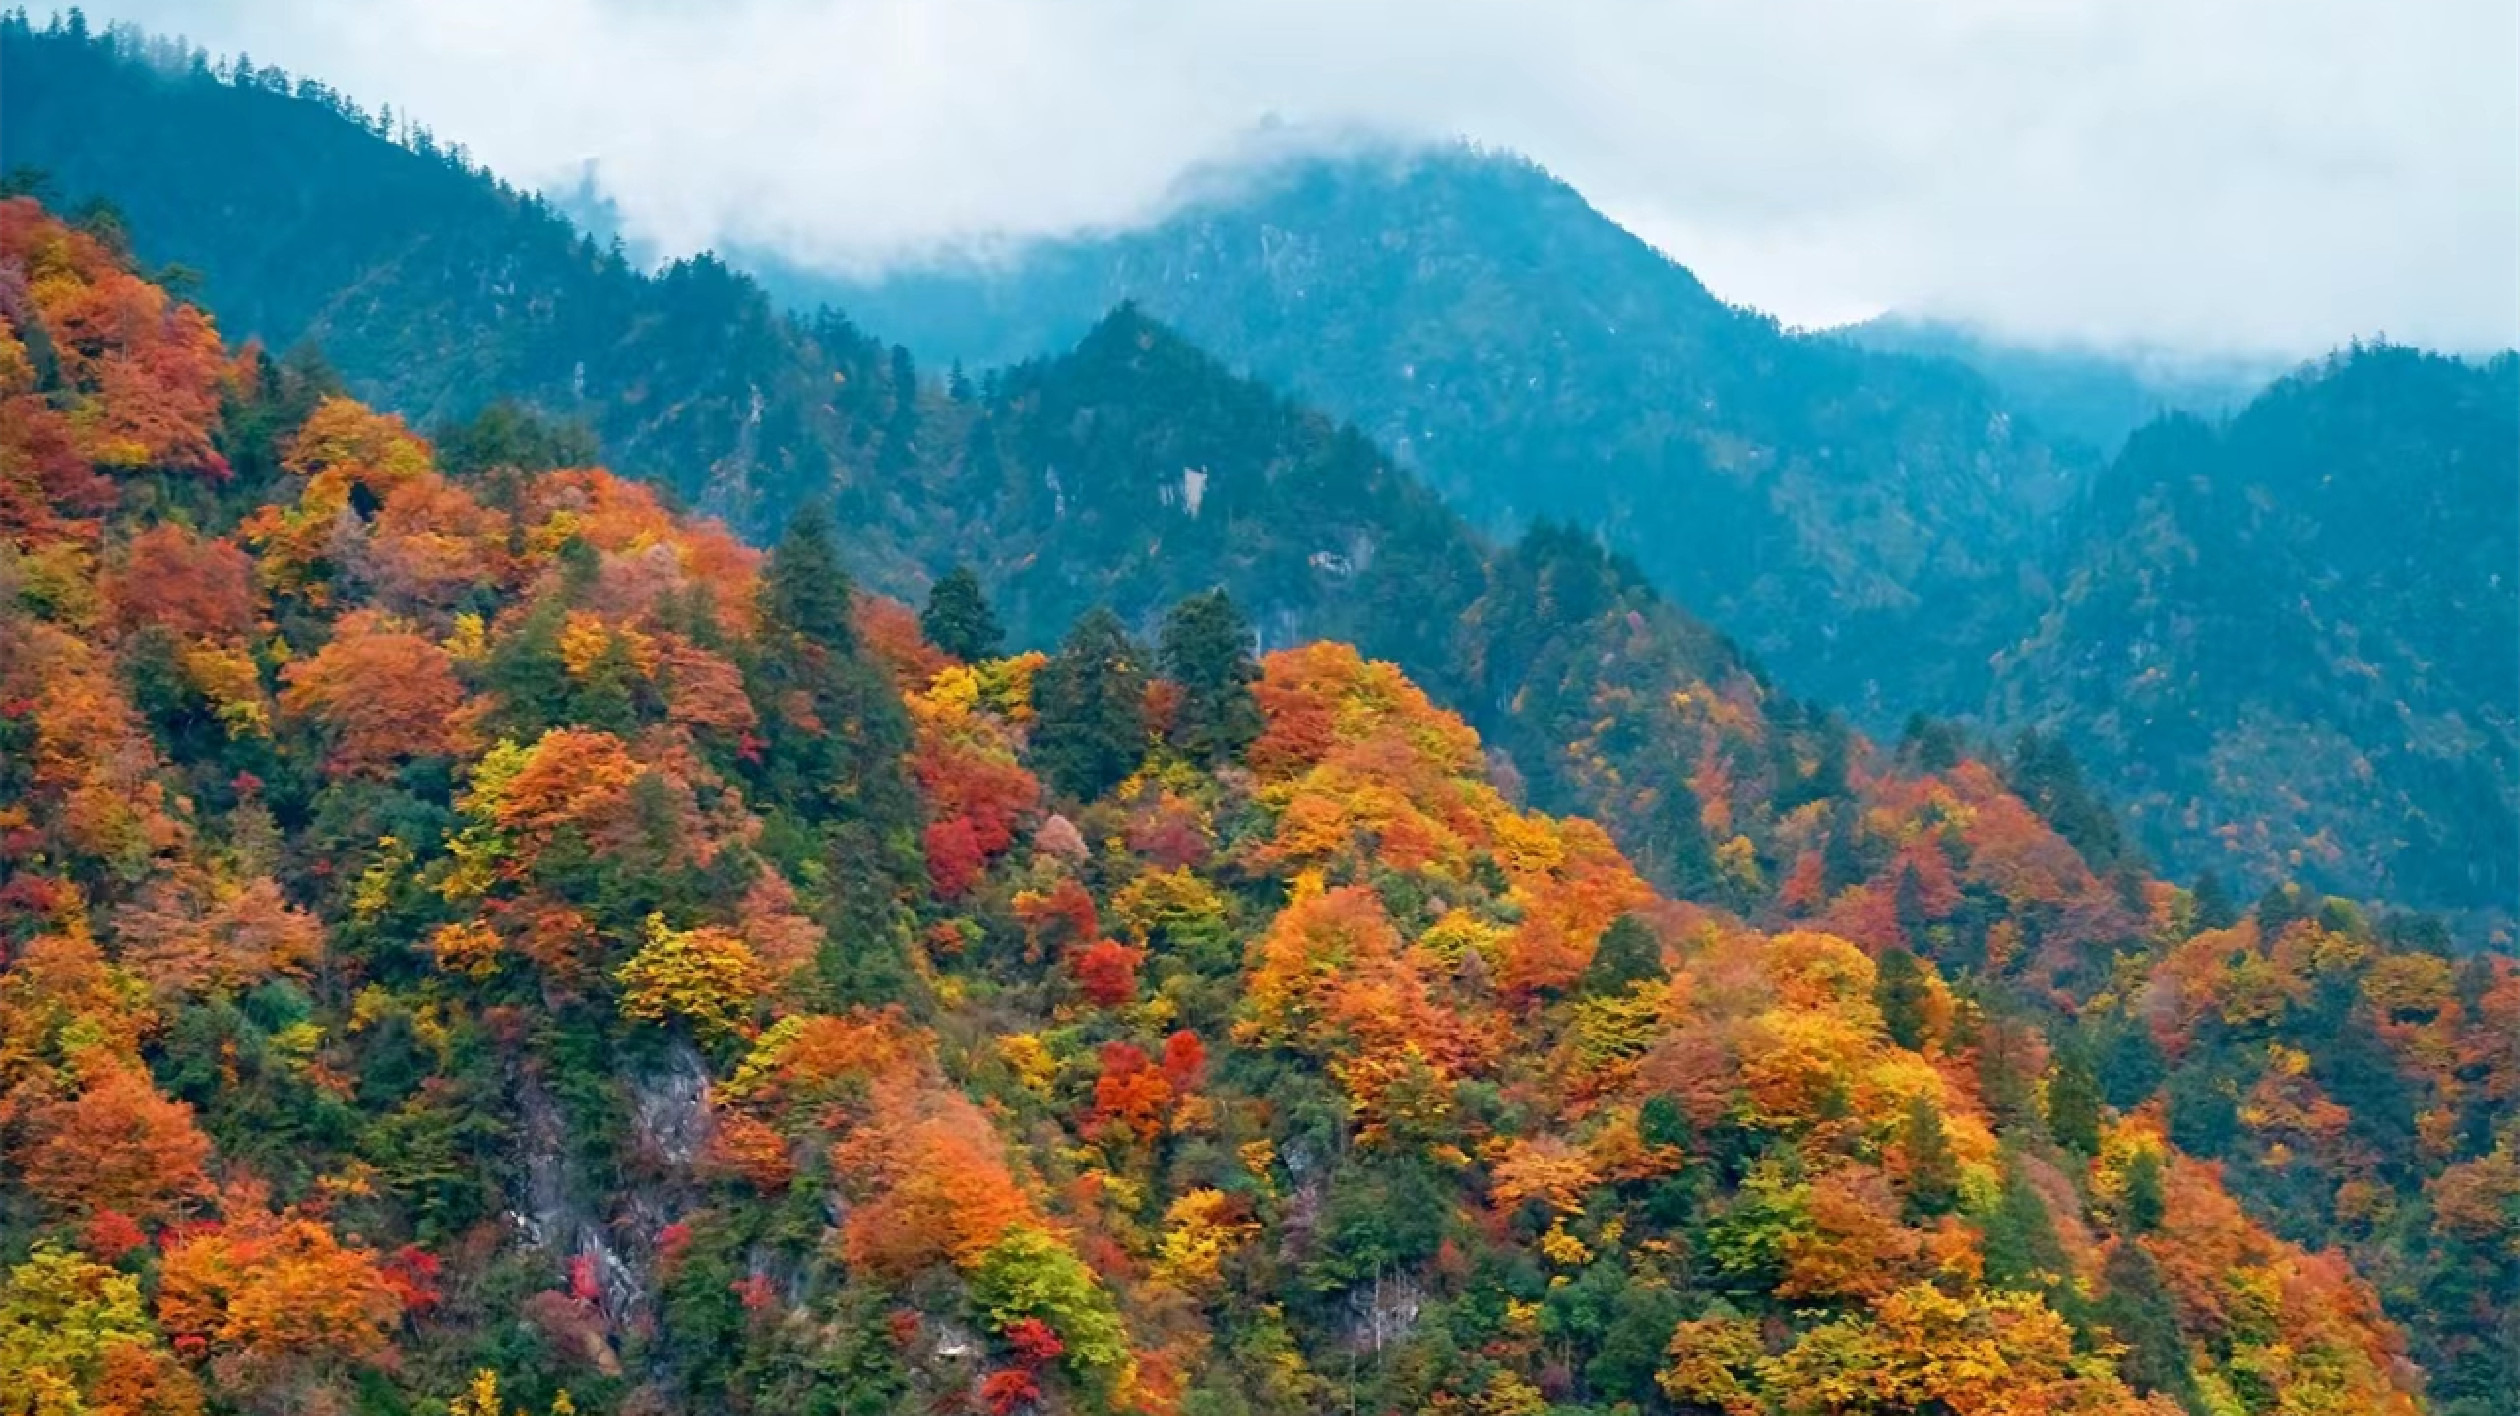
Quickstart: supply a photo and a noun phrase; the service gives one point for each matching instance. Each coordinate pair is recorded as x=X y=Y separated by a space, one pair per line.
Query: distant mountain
x=1857 y=519
x=2090 y=396
x=2291 y=642
x=432 y=287
x=1127 y=471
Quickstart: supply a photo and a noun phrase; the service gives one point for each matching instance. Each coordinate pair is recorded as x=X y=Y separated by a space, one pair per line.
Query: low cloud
x=2208 y=174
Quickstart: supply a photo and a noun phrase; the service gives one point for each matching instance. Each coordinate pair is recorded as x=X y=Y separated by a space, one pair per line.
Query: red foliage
x=1009 y=1390
x=1063 y=919
x=109 y=1234
x=1185 y=1060
x=755 y=1292
x=954 y=856
x=1107 y=971
x=412 y=1273
x=1035 y=1344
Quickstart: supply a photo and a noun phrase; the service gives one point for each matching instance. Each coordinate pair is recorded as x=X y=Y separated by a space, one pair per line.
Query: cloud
x=2213 y=174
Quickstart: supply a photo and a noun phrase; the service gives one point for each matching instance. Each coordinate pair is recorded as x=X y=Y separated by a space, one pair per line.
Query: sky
x=2263 y=176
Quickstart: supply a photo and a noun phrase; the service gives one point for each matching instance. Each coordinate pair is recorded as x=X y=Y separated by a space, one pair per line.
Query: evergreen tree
x=2073 y=1103
x=2210 y=904
x=1900 y=989
x=2049 y=777
x=834 y=772
x=2281 y=906
x=1908 y=905
x=2142 y=1209
x=1090 y=708
x=1627 y=954
x=2138 y=1311
x=2022 y=1250
x=1206 y=649
x=900 y=451
x=1932 y=744
x=958 y=619
x=1661 y=1122
x=1677 y=843
x=1933 y=1179
x=804 y=592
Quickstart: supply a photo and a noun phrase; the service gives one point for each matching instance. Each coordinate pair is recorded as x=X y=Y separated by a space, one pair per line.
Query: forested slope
x=473 y=940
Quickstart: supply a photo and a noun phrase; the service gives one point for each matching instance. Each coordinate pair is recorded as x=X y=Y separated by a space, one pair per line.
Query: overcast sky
x=2239 y=174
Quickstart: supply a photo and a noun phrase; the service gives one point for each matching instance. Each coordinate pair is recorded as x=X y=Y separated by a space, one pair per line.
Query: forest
x=476 y=939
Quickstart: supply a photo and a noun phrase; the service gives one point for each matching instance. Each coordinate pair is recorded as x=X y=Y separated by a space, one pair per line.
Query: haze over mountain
x=1832 y=508
x=2252 y=175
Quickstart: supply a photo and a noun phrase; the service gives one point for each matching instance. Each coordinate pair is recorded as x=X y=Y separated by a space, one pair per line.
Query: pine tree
x=2210 y=905
x=1206 y=650
x=2073 y=1103
x=805 y=592
x=958 y=619
x=2142 y=1209
x=1933 y=1178
x=1908 y=904
x=1090 y=706
x=1627 y=954
x=1900 y=990
x=2138 y=1311
x=2022 y=1250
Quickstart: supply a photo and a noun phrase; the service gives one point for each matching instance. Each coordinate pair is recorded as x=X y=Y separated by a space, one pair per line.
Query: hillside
x=476 y=941
x=1532 y=360
x=2291 y=643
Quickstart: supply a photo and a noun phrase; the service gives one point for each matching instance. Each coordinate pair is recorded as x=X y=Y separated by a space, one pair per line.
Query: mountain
x=475 y=941
x=1857 y=520
x=430 y=286
x=2088 y=396
x=2291 y=641
x=1126 y=471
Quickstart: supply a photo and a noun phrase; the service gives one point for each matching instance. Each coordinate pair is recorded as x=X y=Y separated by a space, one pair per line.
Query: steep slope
x=1534 y=361
x=2291 y=643
x=479 y=942
x=2088 y=396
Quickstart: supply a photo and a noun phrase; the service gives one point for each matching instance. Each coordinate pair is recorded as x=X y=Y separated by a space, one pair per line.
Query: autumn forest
x=479 y=936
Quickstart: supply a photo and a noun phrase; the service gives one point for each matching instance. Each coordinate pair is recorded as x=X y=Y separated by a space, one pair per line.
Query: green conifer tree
x=1206 y=650
x=958 y=619
x=1090 y=708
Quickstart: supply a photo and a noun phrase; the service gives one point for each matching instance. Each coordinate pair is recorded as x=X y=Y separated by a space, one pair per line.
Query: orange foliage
x=889 y=630
x=385 y=694
x=934 y=1180
x=119 y=1146
x=273 y=1292
x=188 y=932
x=145 y=370
x=173 y=578
x=1132 y=1092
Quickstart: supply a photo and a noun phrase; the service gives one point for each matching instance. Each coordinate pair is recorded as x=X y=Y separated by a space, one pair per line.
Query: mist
x=2233 y=176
